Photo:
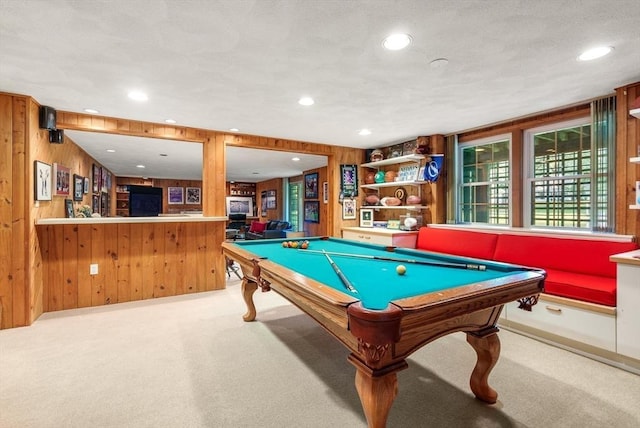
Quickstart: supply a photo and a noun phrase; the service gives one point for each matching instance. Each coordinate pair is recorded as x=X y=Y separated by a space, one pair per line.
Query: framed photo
x=78 y=187
x=349 y=180
x=393 y=224
x=104 y=204
x=103 y=179
x=175 y=195
x=87 y=185
x=193 y=195
x=311 y=186
x=95 y=203
x=312 y=211
x=325 y=192
x=271 y=199
x=349 y=209
x=240 y=205
x=63 y=180
x=68 y=208
x=263 y=203
x=96 y=179
x=366 y=217
x=42 y=180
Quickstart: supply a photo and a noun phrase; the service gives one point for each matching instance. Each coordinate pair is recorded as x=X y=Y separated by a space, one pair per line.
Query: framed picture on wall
x=312 y=211
x=271 y=199
x=96 y=178
x=175 y=195
x=62 y=179
x=87 y=185
x=193 y=195
x=78 y=187
x=349 y=180
x=263 y=203
x=95 y=203
x=325 y=192
x=349 y=209
x=42 y=180
x=240 y=205
x=311 y=186
x=68 y=208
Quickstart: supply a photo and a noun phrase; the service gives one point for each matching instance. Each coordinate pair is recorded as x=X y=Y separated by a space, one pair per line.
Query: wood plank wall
x=265 y=186
x=628 y=138
x=135 y=261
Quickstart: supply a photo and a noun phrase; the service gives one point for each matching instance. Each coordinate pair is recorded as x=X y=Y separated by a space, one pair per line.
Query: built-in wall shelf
x=635 y=113
x=394 y=161
x=393 y=184
x=635 y=160
x=634 y=207
x=397 y=207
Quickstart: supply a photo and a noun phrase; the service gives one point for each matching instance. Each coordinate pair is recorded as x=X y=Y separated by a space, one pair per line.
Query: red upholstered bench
x=576 y=268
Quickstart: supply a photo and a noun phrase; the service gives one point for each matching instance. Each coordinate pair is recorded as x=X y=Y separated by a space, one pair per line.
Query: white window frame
x=460 y=178
x=527 y=170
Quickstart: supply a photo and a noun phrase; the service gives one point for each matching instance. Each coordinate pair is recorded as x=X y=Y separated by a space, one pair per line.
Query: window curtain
x=603 y=162
x=451 y=146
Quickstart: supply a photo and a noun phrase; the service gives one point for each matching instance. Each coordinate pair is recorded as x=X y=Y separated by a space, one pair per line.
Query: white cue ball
x=401 y=269
x=410 y=222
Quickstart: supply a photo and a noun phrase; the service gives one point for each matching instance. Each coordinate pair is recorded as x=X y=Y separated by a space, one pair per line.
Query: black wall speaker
x=47 y=117
x=56 y=136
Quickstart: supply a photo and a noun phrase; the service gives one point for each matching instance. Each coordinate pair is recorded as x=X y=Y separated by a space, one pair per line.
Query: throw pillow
x=257 y=227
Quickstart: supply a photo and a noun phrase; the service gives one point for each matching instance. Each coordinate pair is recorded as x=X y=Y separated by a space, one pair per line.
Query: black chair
x=237 y=224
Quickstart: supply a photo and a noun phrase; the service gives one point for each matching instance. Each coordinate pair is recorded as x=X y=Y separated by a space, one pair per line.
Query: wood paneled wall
x=628 y=138
x=135 y=261
x=264 y=186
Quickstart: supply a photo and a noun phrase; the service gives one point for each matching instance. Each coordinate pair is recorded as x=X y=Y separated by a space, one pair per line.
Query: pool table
x=388 y=316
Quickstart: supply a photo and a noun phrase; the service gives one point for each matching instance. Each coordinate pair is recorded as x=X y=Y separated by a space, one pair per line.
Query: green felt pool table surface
x=376 y=281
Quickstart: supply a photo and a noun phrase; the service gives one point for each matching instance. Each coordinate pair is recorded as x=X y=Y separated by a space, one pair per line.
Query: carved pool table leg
x=487 y=348
x=248 y=288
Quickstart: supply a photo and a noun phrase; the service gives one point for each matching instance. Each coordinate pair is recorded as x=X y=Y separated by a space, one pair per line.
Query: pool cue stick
x=338 y=272
x=468 y=266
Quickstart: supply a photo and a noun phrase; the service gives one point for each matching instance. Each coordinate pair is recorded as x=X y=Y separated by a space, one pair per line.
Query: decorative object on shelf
x=312 y=211
x=408 y=172
x=379 y=177
x=175 y=195
x=349 y=179
x=409 y=147
x=393 y=224
x=376 y=155
x=42 y=180
x=349 y=209
x=311 y=186
x=414 y=200
x=62 y=180
x=395 y=150
x=193 y=195
x=408 y=222
x=420 y=176
x=390 y=176
x=366 y=217
x=68 y=208
x=370 y=177
x=390 y=201
x=400 y=193
x=372 y=199
x=433 y=168
x=78 y=187
x=84 y=211
x=382 y=224
x=424 y=145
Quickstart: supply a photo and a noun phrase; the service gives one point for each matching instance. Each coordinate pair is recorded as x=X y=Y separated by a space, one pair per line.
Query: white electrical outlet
x=93 y=269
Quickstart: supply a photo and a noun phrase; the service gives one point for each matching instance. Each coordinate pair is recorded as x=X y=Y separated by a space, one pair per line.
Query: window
x=559 y=183
x=485 y=181
x=295 y=204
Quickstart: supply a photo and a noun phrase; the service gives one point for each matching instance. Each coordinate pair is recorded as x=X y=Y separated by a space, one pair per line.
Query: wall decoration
x=240 y=205
x=433 y=168
x=263 y=203
x=271 y=199
x=312 y=211
x=103 y=179
x=325 y=192
x=366 y=217
x=104 y=204
x=63 y=180
x=96 y=179
x=78 y=187
x=68 y=208
x=349 y=180
x=95 y=204
x=311 y=186
x=193 y=195
x=349 y=209
x=42 y=180
x=86 y=186
x=175 y=195
x=408 y=172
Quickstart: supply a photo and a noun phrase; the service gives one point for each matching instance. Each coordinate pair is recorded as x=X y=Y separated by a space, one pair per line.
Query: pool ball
x=401 y=269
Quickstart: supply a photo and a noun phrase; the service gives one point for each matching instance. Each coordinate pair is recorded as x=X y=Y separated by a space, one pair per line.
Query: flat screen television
x=145 y=201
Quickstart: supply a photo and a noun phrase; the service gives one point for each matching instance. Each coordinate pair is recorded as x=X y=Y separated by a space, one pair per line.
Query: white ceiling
x=245 y=63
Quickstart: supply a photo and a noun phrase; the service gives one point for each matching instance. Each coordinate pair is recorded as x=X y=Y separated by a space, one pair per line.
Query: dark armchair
x=270 y=230
x=237 y=226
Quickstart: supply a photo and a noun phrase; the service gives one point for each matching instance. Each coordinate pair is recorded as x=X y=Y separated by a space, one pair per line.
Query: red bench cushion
x=459 y=242
x=594 y=289
x=570 y=255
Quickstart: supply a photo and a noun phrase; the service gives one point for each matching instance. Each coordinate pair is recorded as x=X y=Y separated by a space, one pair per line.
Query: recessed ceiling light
x=255 y=173
x=595 y=53
x=163 y=154
x=111 y=151
x=439 y=62
x=91 y=110
x=139 y=166
x=234 y=129
x=306 y=101
x=396 y=42
x=364 y=132
x=296 y=159
x=170 y=121
x=138 y=96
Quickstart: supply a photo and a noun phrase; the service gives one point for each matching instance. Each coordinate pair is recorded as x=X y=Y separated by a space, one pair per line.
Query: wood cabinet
x=381 y=236
x=122 y=201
